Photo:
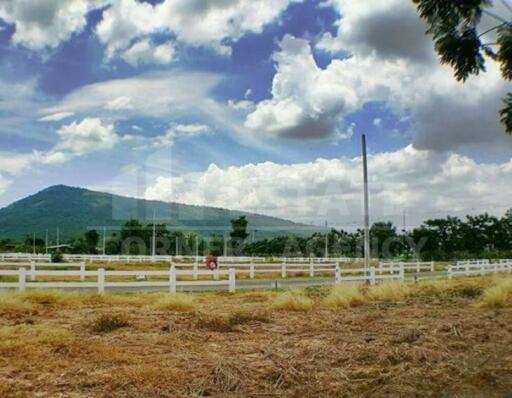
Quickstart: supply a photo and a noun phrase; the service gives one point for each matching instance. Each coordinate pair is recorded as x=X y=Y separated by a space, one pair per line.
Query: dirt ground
x=433 y=344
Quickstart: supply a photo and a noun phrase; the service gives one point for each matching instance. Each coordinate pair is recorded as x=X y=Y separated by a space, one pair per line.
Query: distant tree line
x=480 y=236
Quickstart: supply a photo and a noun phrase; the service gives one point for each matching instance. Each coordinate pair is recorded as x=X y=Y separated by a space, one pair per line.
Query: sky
x=250 y=105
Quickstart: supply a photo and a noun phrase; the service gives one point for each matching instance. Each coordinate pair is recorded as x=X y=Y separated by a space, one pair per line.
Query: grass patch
x=227 y=323
x=109 y=322
x=498 y=296
x=389 y=291
x=176 y=302
x=11 y=304
x=344 y=296
x=292 y=301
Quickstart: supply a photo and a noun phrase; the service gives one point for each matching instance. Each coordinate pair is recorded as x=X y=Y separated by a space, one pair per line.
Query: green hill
x=74 y=210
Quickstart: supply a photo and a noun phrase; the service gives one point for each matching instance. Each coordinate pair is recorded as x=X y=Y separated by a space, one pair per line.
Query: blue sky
x=263 y=103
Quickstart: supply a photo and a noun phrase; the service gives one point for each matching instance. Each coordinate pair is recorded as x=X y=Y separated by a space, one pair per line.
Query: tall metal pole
x=197 y=248
x=46 y=243
x=326 y=245
x=176 y=244
x=104 y=239
x=153 y=248
x=225 y=246
x=58 y=238
x=34 y=244
x=366 y=208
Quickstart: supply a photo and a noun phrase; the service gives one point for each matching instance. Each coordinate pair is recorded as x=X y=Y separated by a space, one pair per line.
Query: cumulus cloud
x=307 y=101
x=425 y=183
x=46 y=23
x=91 y=134
x=392 y=63
x=145 y=52
x=196 y=22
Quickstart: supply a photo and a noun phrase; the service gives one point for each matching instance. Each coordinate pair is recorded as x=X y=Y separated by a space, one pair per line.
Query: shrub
x=176 y=302
x=344 y=296
x=292 y=301
x=57 y=257
x=389 y=291
x=498 y=296
x=109 y=322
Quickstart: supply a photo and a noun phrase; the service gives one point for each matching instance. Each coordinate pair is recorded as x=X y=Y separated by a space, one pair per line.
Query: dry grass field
x=442 y=339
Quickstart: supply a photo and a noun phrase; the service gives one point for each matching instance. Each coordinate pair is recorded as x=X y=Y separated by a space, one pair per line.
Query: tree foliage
x=454 y=26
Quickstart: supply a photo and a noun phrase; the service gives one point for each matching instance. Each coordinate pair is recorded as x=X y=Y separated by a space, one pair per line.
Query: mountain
x=74 y=210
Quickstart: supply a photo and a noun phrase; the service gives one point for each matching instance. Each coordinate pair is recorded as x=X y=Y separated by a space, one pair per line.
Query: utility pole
x=34 y=244
x=176 y=244
x=104 y=239
x=197 y=248
x=326 y=245
x=46 y=243
x=366 y=208
x=153 y=248
x=58 y=238
x=225 y=246
x=403 y=219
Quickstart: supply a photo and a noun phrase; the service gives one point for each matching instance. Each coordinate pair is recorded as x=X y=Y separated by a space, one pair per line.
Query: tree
x=238 y=234
x=91 y=240
x=460 y=43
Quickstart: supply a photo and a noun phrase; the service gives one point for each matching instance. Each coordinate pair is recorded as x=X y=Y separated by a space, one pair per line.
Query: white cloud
x=154 y=95
x=46 y=23
x=167 y=139
x=89 y=135
x=425 y=183
x=145 y=52
x=310 y=102
x=56 y=117
x=191 y=129
x=194 y=22
x=4 y=184
x=122 y=103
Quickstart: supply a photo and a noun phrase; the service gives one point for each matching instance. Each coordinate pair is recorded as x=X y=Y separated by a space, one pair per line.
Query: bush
x=57 y=257
x=344 y=296
x=498 y=296
x=292 y=301
x=176 y=302
x=109 y=322
x=389 y=291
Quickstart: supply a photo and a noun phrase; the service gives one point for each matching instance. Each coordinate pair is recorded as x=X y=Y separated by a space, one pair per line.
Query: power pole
x=58 y=238
x=153 y=248
x=46 y=243
x=366 y=208
x=34 y=244
x=197 y=248
x=326 y=245
x=225 y=246
x=176 y=244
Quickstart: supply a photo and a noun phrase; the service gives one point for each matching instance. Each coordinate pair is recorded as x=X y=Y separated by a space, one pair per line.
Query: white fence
x=478 y=268
x=25 y=257
x=101 y=282
x=33 y=266
x=370 y=275
x=417 y=266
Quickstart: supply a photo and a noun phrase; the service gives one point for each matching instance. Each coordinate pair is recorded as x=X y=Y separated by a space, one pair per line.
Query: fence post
x=172 y=280
x=432 y=267
x=216 y=273
x=417 y=267
x=195 y=270
x=450 y=272
x=22 y=279
x=101 y=281
x=402 y=271
x=311 y=269
x=82 y=272
x=251 y=270
x=283 y=270
x=32 y=271
x=337 y=277
x=372 y=276
x=232 y=280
